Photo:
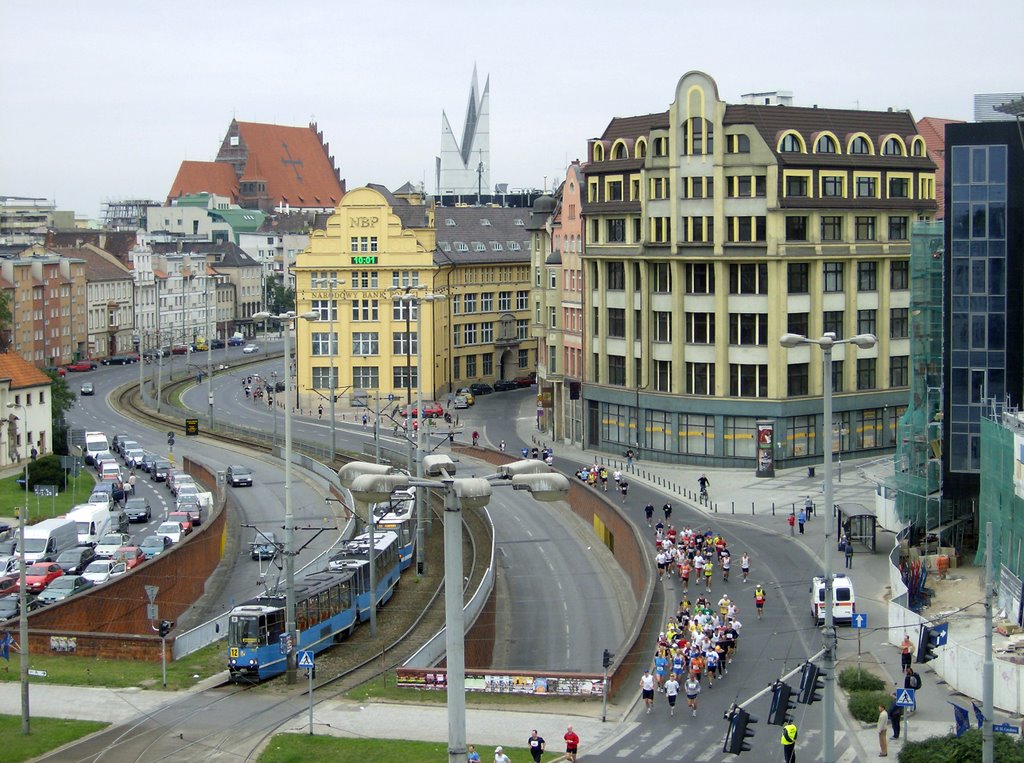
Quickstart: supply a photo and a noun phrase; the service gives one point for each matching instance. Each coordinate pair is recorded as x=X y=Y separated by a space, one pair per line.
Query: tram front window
x=245 y=631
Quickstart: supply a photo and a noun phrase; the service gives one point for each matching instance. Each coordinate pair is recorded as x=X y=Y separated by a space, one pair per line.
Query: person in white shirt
x=692 y=689
x=647 y=689
x=500 y=756
x=671 y=691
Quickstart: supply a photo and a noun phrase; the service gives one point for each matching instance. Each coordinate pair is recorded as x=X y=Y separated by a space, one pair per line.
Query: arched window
x=917 y=147
x=640 y=150
x=860 y=145
x=790 y=144
x=598 y=152
x=619 y=150
x=892 y=147
x=742 y=144
x=826 y=145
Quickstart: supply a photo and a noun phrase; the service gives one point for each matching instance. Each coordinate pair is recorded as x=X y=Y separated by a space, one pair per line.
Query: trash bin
x=810 y=471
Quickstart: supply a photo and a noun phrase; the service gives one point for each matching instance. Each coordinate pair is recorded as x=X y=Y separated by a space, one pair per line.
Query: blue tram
x=353 y=556
x=324 y=609
x=400 y=519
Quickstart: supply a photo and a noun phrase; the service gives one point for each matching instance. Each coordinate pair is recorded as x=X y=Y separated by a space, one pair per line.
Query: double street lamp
x=374 y=483
x=288 y=319
x=828 y=633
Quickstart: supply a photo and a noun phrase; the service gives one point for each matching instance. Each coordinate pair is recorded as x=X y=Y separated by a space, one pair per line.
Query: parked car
x=236 y=341
x=132 y=556
x=154 y=545
x=249 y=349
x=62 y=588
x=461 y=401
x=481 y=389
x=181 y=349
x=216 y=344
x=74 y=560
x=40 y=575
x=120 y=360
x=172 y=530
x=110 y=543
x=103 y=570
x=137 y=509
x=10 y=606
x=467 y=393
x=524 y=381
x=161 y=468
x=239 y=475
x=87 y=389
x=430 y=411
x=8 y=583
x=82 y=365
x=504 y=385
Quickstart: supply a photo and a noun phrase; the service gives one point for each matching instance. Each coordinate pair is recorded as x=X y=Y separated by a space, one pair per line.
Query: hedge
x=965 y=749
x=863 y=705
x=858 y=679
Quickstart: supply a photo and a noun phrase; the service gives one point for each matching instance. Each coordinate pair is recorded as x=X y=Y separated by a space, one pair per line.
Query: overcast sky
x=102 y=100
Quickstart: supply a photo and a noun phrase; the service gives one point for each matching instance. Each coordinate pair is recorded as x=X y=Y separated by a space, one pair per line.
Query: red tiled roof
x=214 y=177
x=21 y=373
x=292 y=161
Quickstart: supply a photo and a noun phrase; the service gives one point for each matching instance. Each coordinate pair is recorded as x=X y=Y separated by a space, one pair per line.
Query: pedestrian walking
x=671 y=692
x=759 y=598
x=882 y=727
x=906 y=653
x=912 y=680
x=500 y=756
x=630 y=455
x=366 y=420
x=320 y=411
x=536 y=744
x=849 y=554
x=501 y=446
x=649 y=513
x=131 y=483
x=647 y=689
x=692 y=689
x=800 y=519
x=572 y=744
x=476 y=438
x=895 y=716
x=808 y=507
x=789 y=733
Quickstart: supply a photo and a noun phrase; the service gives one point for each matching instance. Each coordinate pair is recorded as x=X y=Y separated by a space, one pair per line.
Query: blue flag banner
x=961 y=718
x=5 y=646
x=978 y=715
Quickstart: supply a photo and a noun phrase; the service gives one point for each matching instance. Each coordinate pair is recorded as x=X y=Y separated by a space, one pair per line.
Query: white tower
x=465 y=168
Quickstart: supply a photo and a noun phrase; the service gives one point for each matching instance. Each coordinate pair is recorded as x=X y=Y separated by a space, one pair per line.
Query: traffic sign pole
x=859 y=622
x=306 y=661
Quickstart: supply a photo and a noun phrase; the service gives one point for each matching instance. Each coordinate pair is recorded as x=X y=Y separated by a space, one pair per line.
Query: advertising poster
x=765 y=449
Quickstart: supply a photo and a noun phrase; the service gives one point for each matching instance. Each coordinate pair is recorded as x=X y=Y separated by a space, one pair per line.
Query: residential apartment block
x=110 y=298
x=711 y=230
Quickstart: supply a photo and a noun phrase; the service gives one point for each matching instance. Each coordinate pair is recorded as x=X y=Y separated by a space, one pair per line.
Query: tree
x=279 y=298
x=5 y=321
x=61 y=401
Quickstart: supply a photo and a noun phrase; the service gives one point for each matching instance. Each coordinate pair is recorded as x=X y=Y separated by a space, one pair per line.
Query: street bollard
x=733 y=504
x=751 y=508
x=773 y=508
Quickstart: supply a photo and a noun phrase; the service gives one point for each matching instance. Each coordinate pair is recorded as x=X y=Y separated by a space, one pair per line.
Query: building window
x=899 y=275
x=552 y=317
x=739 y=144
x=400 y=344
x=365 y=377
x=456 y=368
x=866 y=187
x=661 y=277
x=892 y=147
x=833 y=276
x=790 y=144
x=899 y=323
x=364 y=310
x=865 y=228
x=867 y=276
x=899 y=188
x=748 y=328
x=796 y=228
x=365 y=279
x=867 y=321
x=700 y=278
x=831 y=228
x=402 y=377
x=504 y=301
x=700 y=328
x=832 y=186
x=487 y=364
x=797 y=323
x=469 y=303
x=400 y=308
x=325 y=377
x=866 y=373
x=899 y=371
x=365 y=343
x=469 y=333
x=522 y=300
x=832 y=323
x=748 y=278
x=522 y=329
x=797 y=375
x=470 y=366
x=327 y=309
x=524 y=358
x=406 y=278
x=487 y=302
x=616 y=230
x=614 y=190
x=663 y=376
x=748 y=380
x=797 y=277
x=617 y=370
x=826 y=145
x=616 y=322
x=662 y=326
x=796 y=185
x=899 y=228
x=486 y=332
x=700 y=379
x=859 y=145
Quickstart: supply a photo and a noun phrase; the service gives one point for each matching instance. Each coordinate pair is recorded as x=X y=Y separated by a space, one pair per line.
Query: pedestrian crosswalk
x=703 y=742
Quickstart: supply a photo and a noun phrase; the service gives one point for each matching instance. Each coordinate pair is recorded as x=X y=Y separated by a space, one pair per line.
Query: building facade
x=110 y=302
x=27 y=419
x=176 y=297
x=464 y=166
x=711 y=230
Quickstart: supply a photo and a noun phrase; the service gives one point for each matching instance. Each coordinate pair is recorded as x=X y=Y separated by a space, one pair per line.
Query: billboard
x=765 y=449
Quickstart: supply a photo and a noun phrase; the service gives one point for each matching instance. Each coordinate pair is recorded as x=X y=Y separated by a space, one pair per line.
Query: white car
x=461 y=401
x=188 y=489
x=102 y=498
x=249 y=349
x=108 y=545
x=170 y=530
x=103 y=570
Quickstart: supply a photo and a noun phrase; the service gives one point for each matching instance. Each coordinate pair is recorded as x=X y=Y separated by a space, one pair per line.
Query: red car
x=132 y=556
x=524 y=381
x=40 y=574
x=430 y=410
x=82 y=365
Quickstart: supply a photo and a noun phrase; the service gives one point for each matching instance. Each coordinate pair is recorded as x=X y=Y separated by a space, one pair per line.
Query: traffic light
x=927 y=643
x=738 y=733
x=606 y=660
x=782 y=702
x=812 y=679
x=165 y=627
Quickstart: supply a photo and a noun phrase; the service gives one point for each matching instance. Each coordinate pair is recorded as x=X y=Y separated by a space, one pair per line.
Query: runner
x=647 y=689
x=572 y=743
x=726 y=562
x=671 y=691
x=711 y=658
x=660 y=667
x=649 y=513
x=684 y=572
x=667 y=508
x=692 y=689
x=745 y=566
x=709 y=571
x=759 y=598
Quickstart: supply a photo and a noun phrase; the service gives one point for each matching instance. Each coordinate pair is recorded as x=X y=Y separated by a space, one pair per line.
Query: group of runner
x=700 y=640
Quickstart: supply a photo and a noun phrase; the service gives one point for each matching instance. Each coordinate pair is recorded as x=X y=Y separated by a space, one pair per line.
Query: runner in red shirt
x=572 y=743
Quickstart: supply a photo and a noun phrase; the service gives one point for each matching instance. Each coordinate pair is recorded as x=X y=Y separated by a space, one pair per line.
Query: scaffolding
x=127 y=214
x=917 y=478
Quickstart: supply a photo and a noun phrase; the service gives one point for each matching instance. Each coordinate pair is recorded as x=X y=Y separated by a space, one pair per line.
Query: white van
x=44 y=541
x=95 y=442
x=93 y=521
x=844 y=599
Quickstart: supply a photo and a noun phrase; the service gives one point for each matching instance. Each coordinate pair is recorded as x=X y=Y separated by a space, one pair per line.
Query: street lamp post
x=288 y=318
x=273 y=396
x=22 y=586
x=828 y=631
x=373 y=483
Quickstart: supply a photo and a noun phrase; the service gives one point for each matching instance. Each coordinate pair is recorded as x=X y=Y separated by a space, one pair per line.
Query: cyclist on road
x=703 y=482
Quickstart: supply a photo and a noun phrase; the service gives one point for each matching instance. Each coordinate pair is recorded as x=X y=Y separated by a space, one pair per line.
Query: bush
x=858 y=679
x=864 y=704
x=46 y=471
x=1008 y=749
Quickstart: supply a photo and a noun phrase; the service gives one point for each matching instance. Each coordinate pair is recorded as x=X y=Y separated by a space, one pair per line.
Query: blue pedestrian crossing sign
x=859 y=621
x=905 y=698
x=306 y=660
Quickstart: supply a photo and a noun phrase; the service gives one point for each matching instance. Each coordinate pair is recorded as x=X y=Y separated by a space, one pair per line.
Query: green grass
x=12 y=494
x=69 y=670
x=46 y=734
x=299 y=748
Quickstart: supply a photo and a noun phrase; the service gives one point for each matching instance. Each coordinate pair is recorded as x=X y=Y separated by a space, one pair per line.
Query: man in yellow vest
x=789 y=743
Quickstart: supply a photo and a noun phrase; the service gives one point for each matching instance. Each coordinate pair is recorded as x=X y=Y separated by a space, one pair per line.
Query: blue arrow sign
x=905 y=698
x=941 y=634
x=859 y=621
x=1005 y=728
x=306 y=660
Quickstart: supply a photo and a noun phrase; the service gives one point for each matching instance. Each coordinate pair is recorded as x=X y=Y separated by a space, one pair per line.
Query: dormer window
x=449 y=222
